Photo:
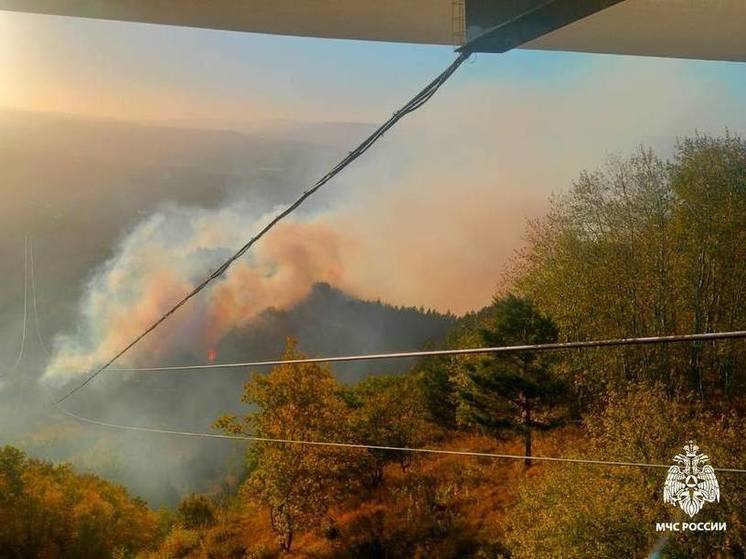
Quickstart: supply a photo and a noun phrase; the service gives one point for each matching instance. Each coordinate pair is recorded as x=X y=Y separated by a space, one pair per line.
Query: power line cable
x=415 y=103
x=503 y=349
x=22 y=349
x=373 y=447
x=37 y=327
x=711 y=336
x=25 y=303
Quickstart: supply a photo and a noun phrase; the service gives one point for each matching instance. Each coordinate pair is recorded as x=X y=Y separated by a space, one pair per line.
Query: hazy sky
x=453 y=184
x=136 y=71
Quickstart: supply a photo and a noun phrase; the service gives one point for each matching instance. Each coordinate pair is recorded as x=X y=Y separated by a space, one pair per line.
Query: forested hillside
x=639 y=247
x=326 y=322
x=647 y=247
x=49 y=511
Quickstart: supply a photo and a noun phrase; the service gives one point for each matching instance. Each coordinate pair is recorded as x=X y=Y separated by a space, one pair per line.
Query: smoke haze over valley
x=125 y=217
x=108 y=205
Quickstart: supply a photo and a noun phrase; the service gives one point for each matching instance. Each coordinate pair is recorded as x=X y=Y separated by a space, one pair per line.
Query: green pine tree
x=511 y=391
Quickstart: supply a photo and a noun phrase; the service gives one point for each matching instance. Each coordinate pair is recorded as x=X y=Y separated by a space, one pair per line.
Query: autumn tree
x=577 y=511
x=196 y=511
x=388 y=411
x=708 y=180
x=508 y=391
x=297 y=482
x=438 y=375
x=48 y=510
x=646 y=247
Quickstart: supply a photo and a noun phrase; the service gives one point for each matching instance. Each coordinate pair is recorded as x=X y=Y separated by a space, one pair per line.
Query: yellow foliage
x=51 y=512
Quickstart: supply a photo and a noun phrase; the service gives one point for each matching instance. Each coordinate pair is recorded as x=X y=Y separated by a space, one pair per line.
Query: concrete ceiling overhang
x=700 y=29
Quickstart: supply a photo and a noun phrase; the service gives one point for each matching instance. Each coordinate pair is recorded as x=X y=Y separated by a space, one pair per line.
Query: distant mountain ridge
x=328 y=322
x=331 y=322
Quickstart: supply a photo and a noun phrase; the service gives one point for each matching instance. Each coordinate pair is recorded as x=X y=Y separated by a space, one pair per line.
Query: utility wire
x=25 y=303
x=25 y=307
x=712 y=336
x=28 y=253
x=374 y=447
x=415 y=103
x=504 y=349
x=37 y=327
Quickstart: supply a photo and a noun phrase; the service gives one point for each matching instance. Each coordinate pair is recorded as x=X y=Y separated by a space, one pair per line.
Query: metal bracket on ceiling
x=496 y=27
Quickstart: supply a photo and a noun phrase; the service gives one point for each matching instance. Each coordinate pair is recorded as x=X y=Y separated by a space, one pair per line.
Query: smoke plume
x=429 y=217
x=383 y=250
x=170 y=251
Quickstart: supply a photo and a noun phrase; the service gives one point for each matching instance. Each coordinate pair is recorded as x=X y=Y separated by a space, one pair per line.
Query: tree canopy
x=648 y=247
x=50 y=511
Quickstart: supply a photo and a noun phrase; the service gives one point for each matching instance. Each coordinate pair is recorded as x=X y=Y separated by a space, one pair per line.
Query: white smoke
x=164 y=257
